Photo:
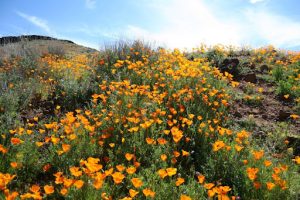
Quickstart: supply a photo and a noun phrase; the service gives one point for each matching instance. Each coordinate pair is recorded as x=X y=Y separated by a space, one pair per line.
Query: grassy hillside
x=136 y=122
x=38 y=45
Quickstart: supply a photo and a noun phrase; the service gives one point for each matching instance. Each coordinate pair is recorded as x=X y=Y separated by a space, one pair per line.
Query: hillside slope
x=36 y=44
x=134 y=122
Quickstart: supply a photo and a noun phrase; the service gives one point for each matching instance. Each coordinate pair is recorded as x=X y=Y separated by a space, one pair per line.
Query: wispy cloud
x=42 y=24
x=256 y=1
x=90 y=4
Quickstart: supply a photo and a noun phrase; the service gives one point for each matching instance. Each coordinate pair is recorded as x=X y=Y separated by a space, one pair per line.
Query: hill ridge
x=14 y=39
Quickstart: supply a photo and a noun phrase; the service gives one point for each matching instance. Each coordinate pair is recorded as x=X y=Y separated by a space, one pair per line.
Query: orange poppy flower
x=15 y=141
x=147 y=192
x=209 y=186
x=185 y=197
x=150 y=141
x=133 y=193
x=131 y=170
x=75 y=171
x=35 y=188
x=267 y=163
x=66 y=147
x=129 y=156
x=185 y=153
x=171 y=171
x=162 y=173
x=14 y=164
x=218 y=145
x=78 y=184
x=179 y=181
x=252 y=173
x=270 y=185
x=162 y=141
x=64 y=191
x=163 y=157
x=136 y=182
x=48 y=189
x=258 y=154
x=201 y=178
x=118 y=177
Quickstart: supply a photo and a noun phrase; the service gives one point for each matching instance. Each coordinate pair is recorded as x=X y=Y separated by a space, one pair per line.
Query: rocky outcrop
x=14 y=39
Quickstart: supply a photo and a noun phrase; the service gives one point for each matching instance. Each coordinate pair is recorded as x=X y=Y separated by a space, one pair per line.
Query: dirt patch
x=268 y=112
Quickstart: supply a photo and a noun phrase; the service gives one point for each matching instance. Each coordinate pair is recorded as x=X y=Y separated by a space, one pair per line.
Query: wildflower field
x=135 y=122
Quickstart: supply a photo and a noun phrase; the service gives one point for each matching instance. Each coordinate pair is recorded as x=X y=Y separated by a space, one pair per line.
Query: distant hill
x=37 y=45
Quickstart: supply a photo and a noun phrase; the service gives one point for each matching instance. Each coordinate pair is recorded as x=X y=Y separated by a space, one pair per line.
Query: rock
x=250 y=78
x=260 y=134
x=249 y=65
x=237 y=114
x=294 y=143
x=264 y=68
x=255 y=111
x=230 y=65
x=283 y=115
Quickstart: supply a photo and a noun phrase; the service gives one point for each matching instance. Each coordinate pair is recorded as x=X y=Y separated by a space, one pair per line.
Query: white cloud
x=187 y=25
x=90 y=4
x=42 y=24
x=274 y=29
x=256 y=1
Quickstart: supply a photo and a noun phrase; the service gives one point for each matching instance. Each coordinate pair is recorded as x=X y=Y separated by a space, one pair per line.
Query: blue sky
x=170 y=23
